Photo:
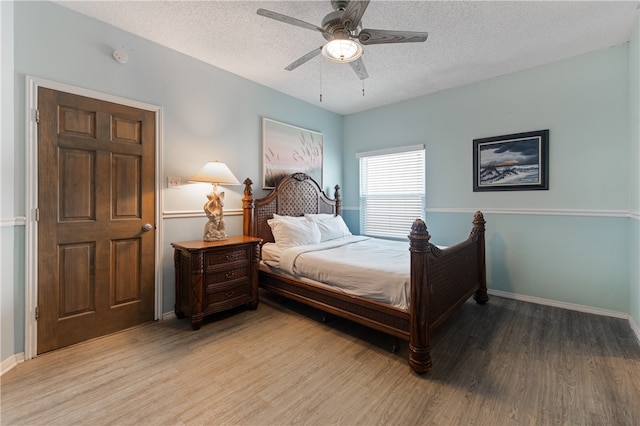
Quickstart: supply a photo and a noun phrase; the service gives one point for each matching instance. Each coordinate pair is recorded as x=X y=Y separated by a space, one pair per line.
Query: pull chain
x=321 y=80
x=362 y=87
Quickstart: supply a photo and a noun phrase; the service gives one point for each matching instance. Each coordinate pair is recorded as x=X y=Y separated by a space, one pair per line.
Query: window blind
x=392 y=191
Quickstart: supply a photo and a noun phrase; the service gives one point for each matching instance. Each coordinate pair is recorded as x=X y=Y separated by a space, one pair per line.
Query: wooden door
x=96 y=179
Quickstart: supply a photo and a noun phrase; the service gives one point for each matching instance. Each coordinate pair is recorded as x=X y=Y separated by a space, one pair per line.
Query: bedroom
x=584 y=230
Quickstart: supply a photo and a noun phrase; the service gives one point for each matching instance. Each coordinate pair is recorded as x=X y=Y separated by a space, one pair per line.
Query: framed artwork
x=518 y=162
x=289 y=149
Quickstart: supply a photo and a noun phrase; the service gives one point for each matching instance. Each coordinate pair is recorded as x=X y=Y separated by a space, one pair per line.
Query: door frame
x=31 y=196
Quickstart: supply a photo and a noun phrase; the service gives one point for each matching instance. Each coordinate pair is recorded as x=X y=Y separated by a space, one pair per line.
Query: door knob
x=147 y=227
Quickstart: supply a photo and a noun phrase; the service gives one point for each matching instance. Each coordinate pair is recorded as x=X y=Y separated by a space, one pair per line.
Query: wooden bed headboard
x=295 y=195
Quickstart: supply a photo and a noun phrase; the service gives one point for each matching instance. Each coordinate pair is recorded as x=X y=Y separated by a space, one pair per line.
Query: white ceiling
x=468 y=41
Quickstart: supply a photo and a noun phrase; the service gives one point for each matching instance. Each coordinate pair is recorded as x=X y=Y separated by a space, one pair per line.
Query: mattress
x=371 y=268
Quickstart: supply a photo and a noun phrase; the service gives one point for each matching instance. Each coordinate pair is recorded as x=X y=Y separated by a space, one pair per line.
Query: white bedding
x=372 y=268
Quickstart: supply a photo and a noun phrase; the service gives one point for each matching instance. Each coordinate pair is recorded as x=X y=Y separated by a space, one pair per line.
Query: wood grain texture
x=96 y=180
x=505 y=363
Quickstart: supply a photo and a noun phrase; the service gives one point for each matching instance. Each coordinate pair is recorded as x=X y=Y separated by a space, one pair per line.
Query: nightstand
x=215 y=276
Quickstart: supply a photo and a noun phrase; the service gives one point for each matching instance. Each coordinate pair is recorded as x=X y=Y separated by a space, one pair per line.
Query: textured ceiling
x=468 y=41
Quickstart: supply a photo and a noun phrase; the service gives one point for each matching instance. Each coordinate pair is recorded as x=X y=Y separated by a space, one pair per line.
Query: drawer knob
x=229 y=293
x=229 y=275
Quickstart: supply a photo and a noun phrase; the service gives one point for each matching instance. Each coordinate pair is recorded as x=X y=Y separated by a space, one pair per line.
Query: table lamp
x=215 y=173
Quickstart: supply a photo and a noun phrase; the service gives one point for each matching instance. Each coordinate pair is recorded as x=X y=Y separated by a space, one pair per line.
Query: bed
x=440 y=280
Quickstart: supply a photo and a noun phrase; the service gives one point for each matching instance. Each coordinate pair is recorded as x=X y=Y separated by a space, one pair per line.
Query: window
x=392 y=191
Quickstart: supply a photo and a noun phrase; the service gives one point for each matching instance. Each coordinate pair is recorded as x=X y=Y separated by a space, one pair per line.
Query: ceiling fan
x=344 y=34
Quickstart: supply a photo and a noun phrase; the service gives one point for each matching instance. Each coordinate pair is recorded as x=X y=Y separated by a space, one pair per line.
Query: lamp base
x=213 y=232
x=214 y=228
x=215 y=238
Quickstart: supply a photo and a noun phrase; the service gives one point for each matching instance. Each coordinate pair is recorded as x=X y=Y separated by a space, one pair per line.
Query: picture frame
x=516 y=162
x=288 y=149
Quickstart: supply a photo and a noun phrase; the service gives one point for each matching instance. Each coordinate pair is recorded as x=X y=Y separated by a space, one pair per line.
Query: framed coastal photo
x=518 y=162
x=289 y=149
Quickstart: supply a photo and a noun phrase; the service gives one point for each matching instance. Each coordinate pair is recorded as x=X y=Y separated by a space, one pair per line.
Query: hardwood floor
x=504 y=363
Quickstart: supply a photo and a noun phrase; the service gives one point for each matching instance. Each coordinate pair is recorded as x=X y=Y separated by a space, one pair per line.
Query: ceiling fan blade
x=358 y=67
x=353 y=13
x=295 y=64
x=368 y=36
x=288 y=20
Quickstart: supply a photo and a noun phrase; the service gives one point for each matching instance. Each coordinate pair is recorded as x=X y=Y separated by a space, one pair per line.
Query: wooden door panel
x=126 y=271
x=126 y=130
x=73 y=121
x=96 y=189
x=76 y=185
x=76 y=279
x=126 y=187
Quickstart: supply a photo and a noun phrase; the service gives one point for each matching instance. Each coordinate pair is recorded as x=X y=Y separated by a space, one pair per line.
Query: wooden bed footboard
x=441 y=279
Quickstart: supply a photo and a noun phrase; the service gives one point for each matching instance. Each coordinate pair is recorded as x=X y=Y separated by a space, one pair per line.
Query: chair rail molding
x=7 y=222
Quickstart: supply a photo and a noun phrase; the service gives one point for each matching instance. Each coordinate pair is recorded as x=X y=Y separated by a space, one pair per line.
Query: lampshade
x=215 y=173
x=342 y=50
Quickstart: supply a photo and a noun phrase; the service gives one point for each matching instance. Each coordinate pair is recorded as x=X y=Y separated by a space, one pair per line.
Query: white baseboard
x=634 y=327
x=570 y=306
x=11 y=362
x=564 y=305
x=168 y=315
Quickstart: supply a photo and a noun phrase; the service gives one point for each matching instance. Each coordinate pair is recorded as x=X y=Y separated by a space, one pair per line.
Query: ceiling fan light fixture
x=342 y=50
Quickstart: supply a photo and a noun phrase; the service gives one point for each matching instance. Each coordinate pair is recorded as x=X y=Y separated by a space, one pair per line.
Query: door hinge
x=37 y=215
x=38 y=116
x=37 y=313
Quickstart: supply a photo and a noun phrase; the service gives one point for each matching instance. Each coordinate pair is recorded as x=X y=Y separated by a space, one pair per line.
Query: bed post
x=248 y=205
x=480 y=296
x=336 y=196
x=419 y=349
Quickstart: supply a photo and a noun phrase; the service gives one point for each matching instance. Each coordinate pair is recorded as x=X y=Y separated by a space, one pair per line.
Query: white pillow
x=330 y=226
x=290 y=233
x=319 y=216
x=293 y=218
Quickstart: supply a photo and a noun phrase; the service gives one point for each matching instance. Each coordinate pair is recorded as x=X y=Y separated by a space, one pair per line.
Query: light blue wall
x=209 y=114
x=577 y=251
x=634 y=174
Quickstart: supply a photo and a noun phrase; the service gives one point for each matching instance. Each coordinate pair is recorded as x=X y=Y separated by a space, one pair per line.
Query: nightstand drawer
x=221 y=258
x=227 y=296
x=215 y=279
